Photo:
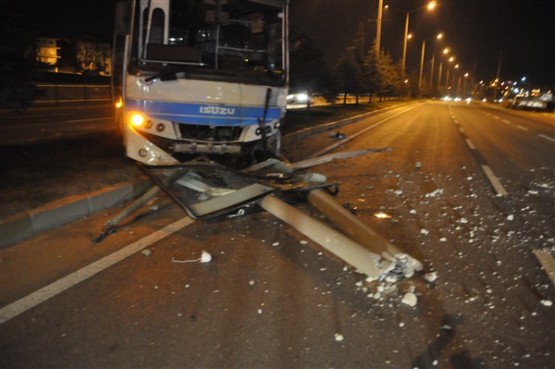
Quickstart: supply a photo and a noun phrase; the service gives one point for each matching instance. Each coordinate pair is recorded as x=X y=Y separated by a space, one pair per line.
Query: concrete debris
x=510 y=218
x=339 y=337
x=418 y=165
x=395 y=268
x=424 y=232
x=410 y=299
x=146 y=252
x=546 y=302
x=431 y=277
x=382 y=215
x=435 y=193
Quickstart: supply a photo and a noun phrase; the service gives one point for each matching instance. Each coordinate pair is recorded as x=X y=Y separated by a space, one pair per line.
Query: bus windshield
x=209 y=35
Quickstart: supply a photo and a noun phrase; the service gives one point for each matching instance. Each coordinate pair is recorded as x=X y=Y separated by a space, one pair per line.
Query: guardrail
x=72 y=93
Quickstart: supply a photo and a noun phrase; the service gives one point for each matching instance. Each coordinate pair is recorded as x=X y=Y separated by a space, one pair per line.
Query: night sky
x=477 y=30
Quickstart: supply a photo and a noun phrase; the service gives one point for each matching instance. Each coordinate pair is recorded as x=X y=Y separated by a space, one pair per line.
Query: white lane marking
x=352 y=137
x=35 y=298
x=470 y=144
x=497 y=186
x=455 y=121
x=546 y=137
x=496 y=117
x=461 y=129
x=522 y=128
x=506 y=121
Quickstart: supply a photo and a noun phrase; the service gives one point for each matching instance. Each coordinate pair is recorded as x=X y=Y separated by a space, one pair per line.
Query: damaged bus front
x=200 y=77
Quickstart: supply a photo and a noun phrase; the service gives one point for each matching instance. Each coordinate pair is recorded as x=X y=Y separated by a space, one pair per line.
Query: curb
x=54 y=214
x=33 y=222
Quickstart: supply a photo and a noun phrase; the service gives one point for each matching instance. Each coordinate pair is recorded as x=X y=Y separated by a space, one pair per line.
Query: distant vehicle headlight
x=301 y=97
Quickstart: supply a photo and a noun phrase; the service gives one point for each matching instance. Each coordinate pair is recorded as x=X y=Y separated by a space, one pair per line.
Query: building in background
x=48 y=52
x=75 y=56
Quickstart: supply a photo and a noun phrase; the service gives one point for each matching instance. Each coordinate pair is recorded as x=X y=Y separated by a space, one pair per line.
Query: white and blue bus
x=200 y=78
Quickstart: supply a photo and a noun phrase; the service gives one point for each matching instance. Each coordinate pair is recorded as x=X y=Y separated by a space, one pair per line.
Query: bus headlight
x=137 y=119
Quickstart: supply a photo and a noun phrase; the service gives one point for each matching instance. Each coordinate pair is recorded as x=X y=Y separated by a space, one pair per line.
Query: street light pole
x=430 y=6
x=439 y=76
x=422 y=53
x=379 y=26
x=423 y=50
x=406 y=39
x=432 y=65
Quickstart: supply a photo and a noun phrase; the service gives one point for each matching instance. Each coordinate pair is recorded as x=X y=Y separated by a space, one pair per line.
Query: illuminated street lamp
x=430 y=6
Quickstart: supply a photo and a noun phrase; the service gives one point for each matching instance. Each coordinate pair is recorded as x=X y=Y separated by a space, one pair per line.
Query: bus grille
x=209 y=133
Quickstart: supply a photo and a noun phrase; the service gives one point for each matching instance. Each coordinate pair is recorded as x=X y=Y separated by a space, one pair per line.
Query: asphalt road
x=55 y=122
x=272 y=298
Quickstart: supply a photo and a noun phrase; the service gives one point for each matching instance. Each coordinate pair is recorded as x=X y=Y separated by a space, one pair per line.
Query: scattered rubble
x=410 y=299
x=435 y=193
x=431 y=277
x=382 y=215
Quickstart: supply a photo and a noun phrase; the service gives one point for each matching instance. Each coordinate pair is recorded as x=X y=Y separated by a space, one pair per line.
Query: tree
x=348 y=75
x=349 y=71
x=390 y=76
x=372 y=75
x=91 y=57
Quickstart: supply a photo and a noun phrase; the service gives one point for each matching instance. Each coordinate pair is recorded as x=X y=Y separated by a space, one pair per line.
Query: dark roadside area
x=33 y=175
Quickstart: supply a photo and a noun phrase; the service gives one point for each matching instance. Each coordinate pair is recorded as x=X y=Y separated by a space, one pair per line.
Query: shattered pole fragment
x=400 y=263
x=364 y=261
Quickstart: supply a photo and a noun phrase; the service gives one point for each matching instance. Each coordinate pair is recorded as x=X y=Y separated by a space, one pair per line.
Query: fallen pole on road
x=207 y=189
x=364 y=261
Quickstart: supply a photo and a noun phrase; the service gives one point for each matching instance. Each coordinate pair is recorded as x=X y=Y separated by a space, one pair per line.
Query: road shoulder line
x=18 y=307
